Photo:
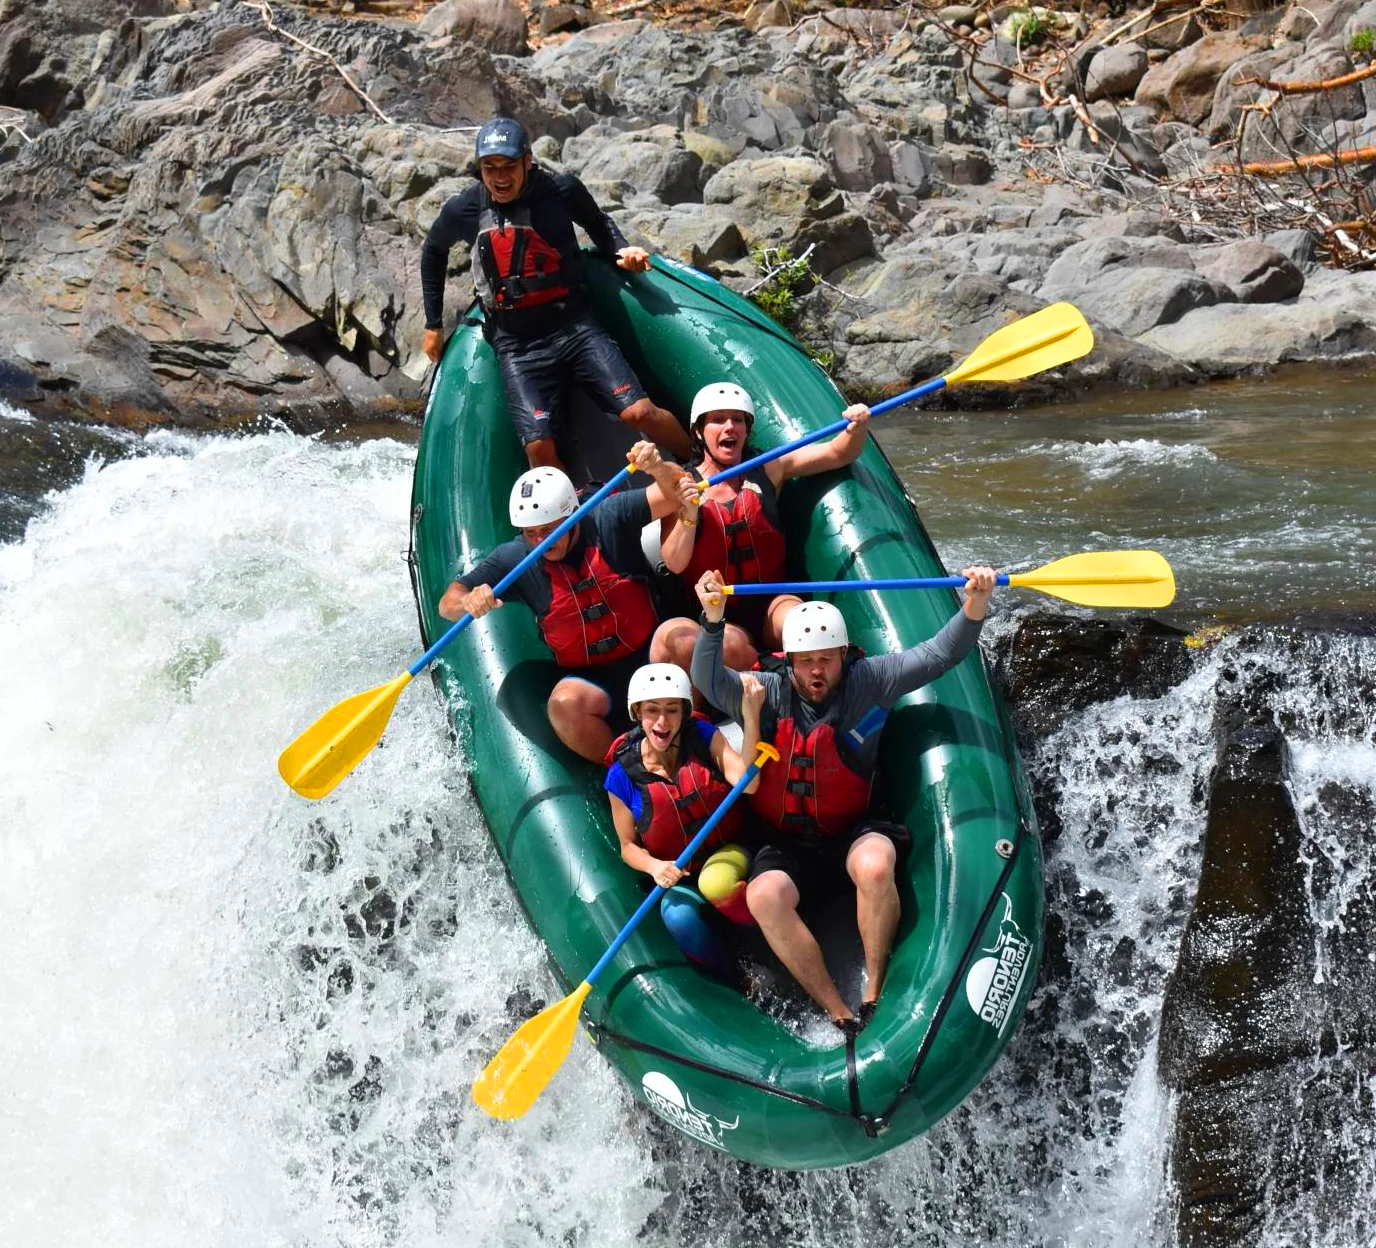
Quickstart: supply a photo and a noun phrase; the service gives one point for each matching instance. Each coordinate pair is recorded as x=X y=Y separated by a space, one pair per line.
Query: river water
x=232 y=1018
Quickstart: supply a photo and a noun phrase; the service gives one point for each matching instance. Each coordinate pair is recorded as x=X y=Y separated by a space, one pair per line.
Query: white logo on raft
x=993 y=983
x=669 y=1102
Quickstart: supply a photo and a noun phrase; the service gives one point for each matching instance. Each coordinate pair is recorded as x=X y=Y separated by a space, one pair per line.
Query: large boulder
x=1081 y=266
x=498 y=25
x=1115 y=71
x=1184 y=84
x=654 y=161
x=856 y=154
x=1251 y=270
x=1329 y=320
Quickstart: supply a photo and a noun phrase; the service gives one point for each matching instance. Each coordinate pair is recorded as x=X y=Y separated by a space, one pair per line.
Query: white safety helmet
x=814 y=626
x=657 y=680
x=721 y=396
x=542 y=496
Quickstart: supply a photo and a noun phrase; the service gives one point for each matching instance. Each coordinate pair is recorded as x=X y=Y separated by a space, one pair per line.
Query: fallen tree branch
x=1322 y=160
x=1310 y=85
x=265 y=12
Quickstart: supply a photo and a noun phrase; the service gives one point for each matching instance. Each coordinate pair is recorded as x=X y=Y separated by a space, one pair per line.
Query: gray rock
x=912 y=168
x=557 y=17
x=856 y=155
x=963 y=165
x=1184 y=84
x=1232 y=338
x=1134 y=300
x=1173 y=33
x=1252 y=270
x=1297 y=246
x=670 y=174
x=1084 y=264
x=1024 y=95
x=958 y=14
x=1115 y=71
x=498 y=25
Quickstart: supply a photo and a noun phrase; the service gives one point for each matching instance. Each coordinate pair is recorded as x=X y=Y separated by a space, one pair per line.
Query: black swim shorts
x=537 y=373
x=817 y=864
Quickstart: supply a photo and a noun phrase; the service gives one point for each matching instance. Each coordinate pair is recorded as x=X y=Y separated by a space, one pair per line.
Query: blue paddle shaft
x=681 y=861
x=528 y=562
x=839 y=426
x=831 y=587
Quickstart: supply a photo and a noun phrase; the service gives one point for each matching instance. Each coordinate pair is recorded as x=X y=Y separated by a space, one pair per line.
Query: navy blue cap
x=502 y=136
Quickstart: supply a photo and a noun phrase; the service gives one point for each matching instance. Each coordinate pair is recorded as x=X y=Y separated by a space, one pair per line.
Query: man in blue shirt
x=588 y=592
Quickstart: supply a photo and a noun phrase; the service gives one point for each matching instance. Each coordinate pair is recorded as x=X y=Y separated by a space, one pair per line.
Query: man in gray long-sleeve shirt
x=824 y=715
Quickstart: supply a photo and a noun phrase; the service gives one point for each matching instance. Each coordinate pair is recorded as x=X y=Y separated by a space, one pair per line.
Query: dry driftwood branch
x=1310 y=85
x=265 y=12
x=1320 y=160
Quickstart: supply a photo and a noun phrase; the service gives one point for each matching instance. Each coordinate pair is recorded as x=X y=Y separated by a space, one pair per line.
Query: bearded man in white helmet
x=588 y=592
x=734 y=527
x=824 y=715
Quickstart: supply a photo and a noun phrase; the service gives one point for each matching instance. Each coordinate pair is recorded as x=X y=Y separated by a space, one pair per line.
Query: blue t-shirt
x=613 y=526
x=620 y=785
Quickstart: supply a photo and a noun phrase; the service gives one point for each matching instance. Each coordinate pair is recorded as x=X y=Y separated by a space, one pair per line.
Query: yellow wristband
x=692 y=524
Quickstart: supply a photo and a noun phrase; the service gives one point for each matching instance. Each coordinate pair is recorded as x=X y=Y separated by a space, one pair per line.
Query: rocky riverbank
x=210 y=210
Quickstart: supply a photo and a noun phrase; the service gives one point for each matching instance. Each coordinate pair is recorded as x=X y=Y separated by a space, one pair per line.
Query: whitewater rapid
x=234 y=1018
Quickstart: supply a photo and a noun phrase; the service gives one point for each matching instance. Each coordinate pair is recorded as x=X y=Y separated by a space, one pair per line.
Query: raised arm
x=731 y=764
x=841 y=450
x=718 y=683
x=897 y=674
x=665 y=491
x=676 y=549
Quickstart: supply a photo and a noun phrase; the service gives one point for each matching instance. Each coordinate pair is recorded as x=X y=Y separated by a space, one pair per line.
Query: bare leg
x=542 y=454
x=578 y=713
x=870 y=863
x=673 y=643
x=773 y=902
x=660 y=427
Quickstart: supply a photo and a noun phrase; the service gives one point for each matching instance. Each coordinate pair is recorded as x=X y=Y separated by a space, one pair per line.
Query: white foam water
x=17 y=414
x=234 y=1017
x=231 y=1016
x=1109 y=458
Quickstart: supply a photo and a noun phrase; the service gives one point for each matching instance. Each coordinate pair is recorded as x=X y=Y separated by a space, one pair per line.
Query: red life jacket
x=595 y=615
x=812 y=790
x=672 y=813
x=514 y=268
x=742 y=541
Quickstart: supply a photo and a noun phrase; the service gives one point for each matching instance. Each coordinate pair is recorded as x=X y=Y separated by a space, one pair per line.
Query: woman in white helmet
x=824 y=714
x=736 y=530
x=588 y=592
x=665 y=777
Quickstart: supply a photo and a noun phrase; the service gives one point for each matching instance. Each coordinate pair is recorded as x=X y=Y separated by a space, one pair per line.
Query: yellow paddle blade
x=335 y=744
x=517 y=1075
x=1105 y=578
x=1046 y=339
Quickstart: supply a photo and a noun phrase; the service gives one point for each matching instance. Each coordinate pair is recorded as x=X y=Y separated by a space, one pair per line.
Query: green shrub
x=1363 y=41
x=777 y=296
x=1026 y=26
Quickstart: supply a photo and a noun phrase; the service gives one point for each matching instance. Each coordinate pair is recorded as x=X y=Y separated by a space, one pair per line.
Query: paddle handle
x=839 y=426
x=829 y=587
x=528 y=562
x=766 y=751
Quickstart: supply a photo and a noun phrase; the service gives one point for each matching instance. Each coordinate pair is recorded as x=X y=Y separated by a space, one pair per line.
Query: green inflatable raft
x=765 y=1082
